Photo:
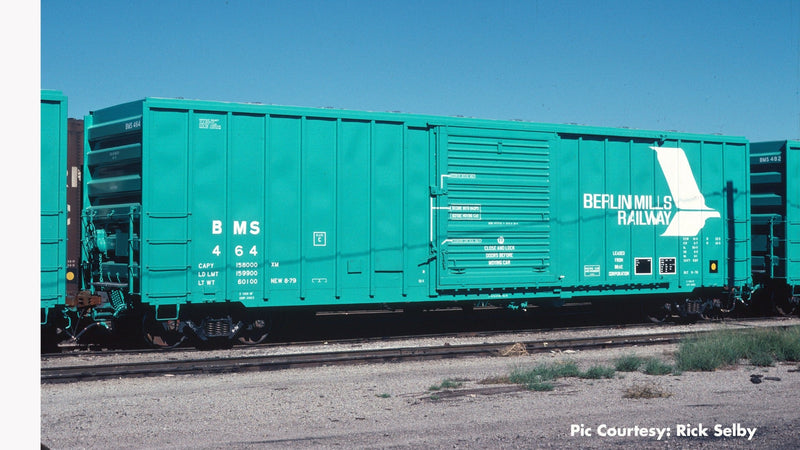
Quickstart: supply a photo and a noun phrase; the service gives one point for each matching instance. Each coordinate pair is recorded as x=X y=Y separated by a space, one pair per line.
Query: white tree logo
x=692 y=209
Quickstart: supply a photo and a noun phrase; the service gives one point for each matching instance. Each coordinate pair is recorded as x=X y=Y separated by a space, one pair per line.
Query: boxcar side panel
x=165 y=227
x=417 y=245
x=653 y=215
x=591 y=218
x=274 y=209
x=352 y=230
x=718 y=175
x=272 y=206
x=736 y=195
x=386 y=215
x=244 y=217
x=776 y=211
x=793 y=214
x=285 y=222
x=53 y=226
x=317 y=213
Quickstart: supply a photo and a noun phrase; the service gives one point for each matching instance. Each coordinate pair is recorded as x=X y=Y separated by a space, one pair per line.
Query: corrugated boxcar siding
x=243 y=224
x=208 y=163
x=353 y=197
x=335 y=211
x=737 y=196
x=53 y=198
x=688 y=249
x=382 y=222
x=418 y=278
x=495 y=210
x=692 y=252
x=284 y=209
x=278 y=209
x=609 y=251
x=793 y=213
x=566 y=231
x=709 y=158
x=318 y=238
x=165 y=231
x=684 y=249
x=618 y=156
x=632 y=253
x=592 y=223
x=645 y=177
x=387 y=208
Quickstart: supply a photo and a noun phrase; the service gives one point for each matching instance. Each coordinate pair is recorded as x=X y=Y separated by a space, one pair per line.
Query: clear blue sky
x=728 y=67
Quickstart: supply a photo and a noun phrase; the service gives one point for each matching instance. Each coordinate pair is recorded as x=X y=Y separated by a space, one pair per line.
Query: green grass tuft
x=726 y=348
x=539 y=378
x=628 y=363
x=761 y=359
x=598 y=372
x=540 y=387
x=654 y=366
x=543 y=373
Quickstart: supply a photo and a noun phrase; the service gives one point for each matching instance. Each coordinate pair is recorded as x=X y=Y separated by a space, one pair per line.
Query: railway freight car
x=775 y=167
x=53 y=201
x=210 y=217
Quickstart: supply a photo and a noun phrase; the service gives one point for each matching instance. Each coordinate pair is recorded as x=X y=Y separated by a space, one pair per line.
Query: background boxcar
x=211 y=214
x=53 y=227
x=775 y=175
x=74 y=202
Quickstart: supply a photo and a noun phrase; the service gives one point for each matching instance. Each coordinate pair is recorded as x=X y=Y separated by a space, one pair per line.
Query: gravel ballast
x=392 y=406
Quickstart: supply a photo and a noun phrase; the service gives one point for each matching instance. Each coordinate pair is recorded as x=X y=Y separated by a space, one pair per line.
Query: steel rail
x=348 y=357
x=102 y=352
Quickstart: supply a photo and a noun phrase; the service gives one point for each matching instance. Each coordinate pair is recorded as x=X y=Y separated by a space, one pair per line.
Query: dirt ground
x=392 y=406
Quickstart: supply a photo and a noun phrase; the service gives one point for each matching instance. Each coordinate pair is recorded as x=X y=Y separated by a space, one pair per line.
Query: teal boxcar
x=192 y=203
x=775 y=167
x=53 y=227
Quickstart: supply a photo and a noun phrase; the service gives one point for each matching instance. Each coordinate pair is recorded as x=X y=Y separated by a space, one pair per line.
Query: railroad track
x=71 y=352
x=234 y=364
x=396 y=331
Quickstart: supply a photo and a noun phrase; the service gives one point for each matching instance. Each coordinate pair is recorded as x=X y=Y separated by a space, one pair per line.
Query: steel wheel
x=256 y=332
x=786 y=306
x=657 y=313
x=162 y=333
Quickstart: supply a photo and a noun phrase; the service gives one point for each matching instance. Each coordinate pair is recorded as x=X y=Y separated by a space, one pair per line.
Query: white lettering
x=735 y=430
x=604 y=430
x=255 y=227
x=239 y=227
x=587 y=202
x=688 y=430
x=581 y=430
